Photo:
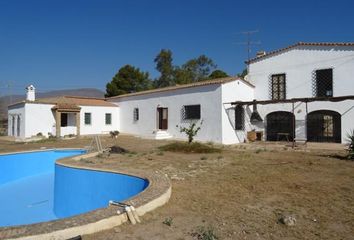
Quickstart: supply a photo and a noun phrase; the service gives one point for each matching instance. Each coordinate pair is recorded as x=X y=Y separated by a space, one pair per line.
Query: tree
x=243 y=74
x=199 y=68
x=191 y=131
x=218 y=74
x=128 y=79
x=164 y=65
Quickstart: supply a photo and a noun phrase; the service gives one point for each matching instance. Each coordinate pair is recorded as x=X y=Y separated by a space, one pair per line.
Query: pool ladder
x=129 y=209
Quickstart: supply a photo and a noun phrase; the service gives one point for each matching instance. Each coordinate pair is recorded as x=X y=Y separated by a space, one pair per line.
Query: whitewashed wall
x=298 y=65
x=18 y=110
x=231 y=92
x=98 y=124
x=209 y=97
x=39 y=119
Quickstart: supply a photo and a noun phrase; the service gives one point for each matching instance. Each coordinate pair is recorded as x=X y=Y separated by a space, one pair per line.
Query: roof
x=184 y=86
x=71 y=101
x=325 y=44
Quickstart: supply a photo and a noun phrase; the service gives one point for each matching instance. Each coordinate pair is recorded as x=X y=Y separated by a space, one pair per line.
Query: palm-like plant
x=350 y=137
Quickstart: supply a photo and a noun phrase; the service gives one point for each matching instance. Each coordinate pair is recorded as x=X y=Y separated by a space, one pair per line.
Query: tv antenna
x=249 y=41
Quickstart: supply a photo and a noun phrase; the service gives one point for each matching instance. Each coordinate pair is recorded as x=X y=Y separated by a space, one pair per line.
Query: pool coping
x=155 y=195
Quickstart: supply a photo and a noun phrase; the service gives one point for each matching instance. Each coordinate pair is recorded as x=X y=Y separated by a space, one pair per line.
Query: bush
x=191 y=131
x=350 y=137
x=189 y=148
x=205 y=233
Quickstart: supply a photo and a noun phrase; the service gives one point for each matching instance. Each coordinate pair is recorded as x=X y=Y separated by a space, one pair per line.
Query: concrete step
x=160 y=134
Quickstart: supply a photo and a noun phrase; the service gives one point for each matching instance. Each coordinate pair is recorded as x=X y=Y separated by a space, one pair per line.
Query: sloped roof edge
x=326 y=44
x=184 y=86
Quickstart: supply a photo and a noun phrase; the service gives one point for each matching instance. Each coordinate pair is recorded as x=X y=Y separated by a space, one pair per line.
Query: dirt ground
x=240 y=193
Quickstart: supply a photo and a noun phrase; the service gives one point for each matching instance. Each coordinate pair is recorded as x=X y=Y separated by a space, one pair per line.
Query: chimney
x=30 y=94
x=261 y=53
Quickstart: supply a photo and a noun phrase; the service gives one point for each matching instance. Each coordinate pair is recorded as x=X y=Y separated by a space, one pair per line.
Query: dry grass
x=185 y=147
x=239 y=193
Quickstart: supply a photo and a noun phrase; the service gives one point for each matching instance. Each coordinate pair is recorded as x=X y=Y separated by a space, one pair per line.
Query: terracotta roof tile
x=71 y=101
x=326 y=44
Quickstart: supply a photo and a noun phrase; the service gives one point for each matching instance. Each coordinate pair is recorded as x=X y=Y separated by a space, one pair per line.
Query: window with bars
x=108 y=119
x=136 y=114
x=239 y=118
x=191 y=112
x=323 y=83
x=87 y=119
x=278 y=86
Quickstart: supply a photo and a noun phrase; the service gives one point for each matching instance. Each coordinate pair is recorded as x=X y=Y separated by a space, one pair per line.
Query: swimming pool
x=33 y=188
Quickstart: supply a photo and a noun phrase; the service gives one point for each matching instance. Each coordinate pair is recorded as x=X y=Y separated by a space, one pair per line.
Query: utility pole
x=249 y=42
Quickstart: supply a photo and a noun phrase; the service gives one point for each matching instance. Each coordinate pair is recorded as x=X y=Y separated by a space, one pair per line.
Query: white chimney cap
x=30 y=87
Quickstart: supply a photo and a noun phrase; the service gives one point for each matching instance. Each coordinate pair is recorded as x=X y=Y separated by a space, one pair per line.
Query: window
x=278 y=87
x=87 y=118
x=240 y=118
x=108 y=119
x=64 y=120
x=191 y=112
x=324 y=83
x=136 y=114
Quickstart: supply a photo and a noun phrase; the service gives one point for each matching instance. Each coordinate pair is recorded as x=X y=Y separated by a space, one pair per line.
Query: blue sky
x=71 y=44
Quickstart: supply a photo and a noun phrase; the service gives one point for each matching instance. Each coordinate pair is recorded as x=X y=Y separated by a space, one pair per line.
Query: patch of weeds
x=86 y=160
x=194 y=147
x=168 y=221
x=258 y=150
x=203 y=158
x=117 y=149
x=133 y=153
x=210 y=143
x=285 y=148
x=220 y=157
x=159 y=153
x=130 y=155
x=205 y=233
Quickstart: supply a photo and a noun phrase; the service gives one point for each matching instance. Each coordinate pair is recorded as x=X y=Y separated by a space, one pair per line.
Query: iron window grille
x=277 y=86
x=108 y=119
x=136 y=114
x=240 y=118
x=322 y=83
x=87 y=118
x=190 y=112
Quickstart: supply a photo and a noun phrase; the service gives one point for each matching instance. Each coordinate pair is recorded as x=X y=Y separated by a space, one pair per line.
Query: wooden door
x=162 y=118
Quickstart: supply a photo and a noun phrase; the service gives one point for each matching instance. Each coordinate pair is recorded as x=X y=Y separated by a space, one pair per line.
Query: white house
x=160 y=113
x=61 y=116
x=303 y=91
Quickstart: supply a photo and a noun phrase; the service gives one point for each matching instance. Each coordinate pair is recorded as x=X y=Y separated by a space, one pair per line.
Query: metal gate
x=324 y=126
x=280 y=126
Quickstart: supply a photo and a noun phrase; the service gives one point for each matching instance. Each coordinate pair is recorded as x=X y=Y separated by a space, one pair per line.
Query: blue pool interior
x=34 y=189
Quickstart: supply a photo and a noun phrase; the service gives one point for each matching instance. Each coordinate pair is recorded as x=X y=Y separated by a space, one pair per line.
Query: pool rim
x=156 y=194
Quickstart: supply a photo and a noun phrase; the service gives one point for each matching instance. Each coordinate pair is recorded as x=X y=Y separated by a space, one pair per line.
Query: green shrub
x=191 y=131
x=205 y=233
x=194 y=147
x=350 y=138
x=168 y=221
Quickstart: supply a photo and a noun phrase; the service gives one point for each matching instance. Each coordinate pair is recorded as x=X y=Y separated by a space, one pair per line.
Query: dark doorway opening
x=64 y=119
x=280 y=126
x=324 y=126
x=162 y=116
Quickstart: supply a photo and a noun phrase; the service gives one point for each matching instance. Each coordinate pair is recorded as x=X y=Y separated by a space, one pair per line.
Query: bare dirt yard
x=240 y=193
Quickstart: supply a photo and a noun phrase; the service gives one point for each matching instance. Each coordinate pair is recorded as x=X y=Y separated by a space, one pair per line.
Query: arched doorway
x=280 y=126
x=324 y=126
